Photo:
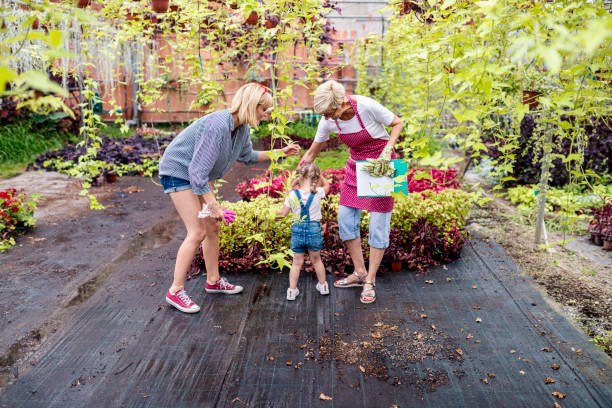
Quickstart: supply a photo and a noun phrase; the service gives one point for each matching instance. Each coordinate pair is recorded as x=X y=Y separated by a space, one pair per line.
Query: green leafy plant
x=567 y=207
x=459 y=66
x=604 y=342
x=255 y=241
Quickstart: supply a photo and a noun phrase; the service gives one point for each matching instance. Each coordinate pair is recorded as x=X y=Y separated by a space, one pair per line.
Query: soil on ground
x=582 y=286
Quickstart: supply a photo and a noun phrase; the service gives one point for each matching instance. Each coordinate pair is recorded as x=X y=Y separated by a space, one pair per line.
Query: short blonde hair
x=328 y=95
x=247 y=99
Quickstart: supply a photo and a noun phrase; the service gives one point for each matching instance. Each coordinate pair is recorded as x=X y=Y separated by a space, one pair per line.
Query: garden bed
x=426 y=227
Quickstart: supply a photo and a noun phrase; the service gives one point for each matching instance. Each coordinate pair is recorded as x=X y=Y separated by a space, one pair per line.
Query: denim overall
x=305 y=234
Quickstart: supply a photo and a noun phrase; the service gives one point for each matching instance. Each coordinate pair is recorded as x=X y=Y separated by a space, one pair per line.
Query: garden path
x=474 y=333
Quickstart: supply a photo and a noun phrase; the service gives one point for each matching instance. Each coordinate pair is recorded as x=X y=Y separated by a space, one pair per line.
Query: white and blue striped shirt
x=205 y=150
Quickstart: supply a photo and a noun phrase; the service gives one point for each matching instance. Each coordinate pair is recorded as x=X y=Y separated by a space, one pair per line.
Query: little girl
x=304 y=202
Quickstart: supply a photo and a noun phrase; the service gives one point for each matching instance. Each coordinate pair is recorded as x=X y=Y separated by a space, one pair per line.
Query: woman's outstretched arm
x=313 y=151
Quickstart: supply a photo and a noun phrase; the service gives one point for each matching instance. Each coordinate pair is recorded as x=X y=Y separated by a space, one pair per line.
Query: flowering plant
x=265 y=184
x=16 y=215
x=433 y=179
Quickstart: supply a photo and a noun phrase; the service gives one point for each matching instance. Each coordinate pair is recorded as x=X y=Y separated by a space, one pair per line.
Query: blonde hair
x=247 y=99
x=307 y=171
x=328 y=95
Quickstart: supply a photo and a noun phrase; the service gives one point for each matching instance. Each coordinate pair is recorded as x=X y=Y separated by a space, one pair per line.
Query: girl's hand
x=291 y=150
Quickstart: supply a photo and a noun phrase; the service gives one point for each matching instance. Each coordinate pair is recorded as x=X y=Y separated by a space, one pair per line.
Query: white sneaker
x=292 y=293
x=323 y=288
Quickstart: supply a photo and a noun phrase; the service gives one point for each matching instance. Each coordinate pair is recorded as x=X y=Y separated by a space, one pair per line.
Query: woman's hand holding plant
x=381 y=166
x=291 y=150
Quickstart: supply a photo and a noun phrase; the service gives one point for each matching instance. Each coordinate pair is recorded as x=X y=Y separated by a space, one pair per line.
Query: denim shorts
x=173 y=184
x=306 y=235
x=380 y=226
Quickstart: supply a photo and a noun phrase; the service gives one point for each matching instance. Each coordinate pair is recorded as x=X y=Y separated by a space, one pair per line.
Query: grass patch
x=21 y=142
x=329 y=159
x=300 y=129
x=113 y=130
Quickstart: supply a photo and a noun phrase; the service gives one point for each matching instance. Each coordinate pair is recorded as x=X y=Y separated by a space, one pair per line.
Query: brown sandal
x=368 y=293
x=344 y=282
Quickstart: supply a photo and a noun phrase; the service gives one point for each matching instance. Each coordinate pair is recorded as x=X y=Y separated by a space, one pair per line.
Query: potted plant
x=110 y=176
x=272 y=21
x=530 y=97
x=605 y=220
x=595 y=229
x=535 y=84
x=397 y=250
x=606 y=235
x=601 y=223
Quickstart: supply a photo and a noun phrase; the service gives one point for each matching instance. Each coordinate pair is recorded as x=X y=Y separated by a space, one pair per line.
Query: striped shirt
x=205 y=150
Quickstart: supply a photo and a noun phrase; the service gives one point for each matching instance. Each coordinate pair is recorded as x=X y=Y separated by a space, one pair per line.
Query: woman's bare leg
x=211 y=250
x=354 y=248
x=376 y=256
x=187 y=205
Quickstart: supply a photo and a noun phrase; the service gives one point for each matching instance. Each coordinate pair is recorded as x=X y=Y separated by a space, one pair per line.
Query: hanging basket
x=160 y=6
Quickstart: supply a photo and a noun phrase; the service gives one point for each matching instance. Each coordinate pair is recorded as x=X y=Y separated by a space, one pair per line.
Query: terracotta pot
x=531 y=98
x=252 y=19
x=133 y=16
x=607 y=245
x=83 y=3
x=160 y=6
x=110 y=177
x=396 y=266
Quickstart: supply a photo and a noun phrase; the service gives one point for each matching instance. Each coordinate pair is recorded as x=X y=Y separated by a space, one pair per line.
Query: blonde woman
x=360 y=123
x=200 y=154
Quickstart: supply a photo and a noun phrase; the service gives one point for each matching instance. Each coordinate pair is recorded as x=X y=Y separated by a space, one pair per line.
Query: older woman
x=200 y=154
x=360 y=123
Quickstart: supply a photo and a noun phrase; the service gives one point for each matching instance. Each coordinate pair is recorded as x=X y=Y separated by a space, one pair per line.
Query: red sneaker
x=182 y=302
x=223 y=286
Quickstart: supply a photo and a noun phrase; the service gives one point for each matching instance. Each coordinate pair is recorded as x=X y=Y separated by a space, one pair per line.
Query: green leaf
x=6 y=75
x=55 y=38
x=552 y=58
x=41 y=82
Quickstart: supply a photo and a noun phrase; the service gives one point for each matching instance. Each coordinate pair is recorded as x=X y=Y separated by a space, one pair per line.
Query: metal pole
x=543 y=187
x=135 y=114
